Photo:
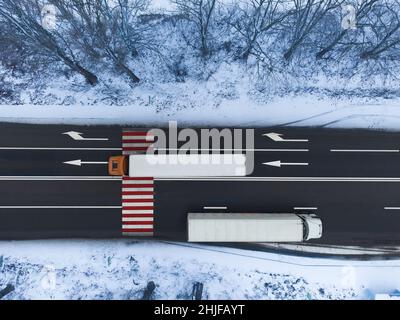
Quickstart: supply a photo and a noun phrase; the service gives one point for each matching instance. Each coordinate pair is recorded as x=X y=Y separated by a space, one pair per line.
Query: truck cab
x=118 y=166
x=312 y=226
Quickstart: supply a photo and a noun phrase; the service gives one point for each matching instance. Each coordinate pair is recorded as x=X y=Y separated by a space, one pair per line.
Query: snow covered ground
x=382 y=114
x=229 y=98
x=121 y=269
x=379 y=114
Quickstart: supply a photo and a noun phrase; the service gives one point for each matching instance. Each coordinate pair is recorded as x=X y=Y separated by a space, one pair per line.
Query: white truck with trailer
x=252 y=227
x=179 y=165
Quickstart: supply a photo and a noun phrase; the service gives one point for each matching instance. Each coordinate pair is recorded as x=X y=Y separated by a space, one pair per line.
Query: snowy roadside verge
x=379 y=114
x=120 y=269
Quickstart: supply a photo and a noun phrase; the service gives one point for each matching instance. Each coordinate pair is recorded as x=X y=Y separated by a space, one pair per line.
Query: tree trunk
x=368 y=55
x=134 y=78
x=288 y=54
x=328 y=48
x=90 y=77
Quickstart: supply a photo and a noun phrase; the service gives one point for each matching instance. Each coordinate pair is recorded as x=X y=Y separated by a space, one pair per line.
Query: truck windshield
x=305 y=228
x=126 y=166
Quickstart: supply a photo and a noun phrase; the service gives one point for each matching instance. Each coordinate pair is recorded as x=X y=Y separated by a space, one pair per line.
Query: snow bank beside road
x=121 y=269
x=295 y=111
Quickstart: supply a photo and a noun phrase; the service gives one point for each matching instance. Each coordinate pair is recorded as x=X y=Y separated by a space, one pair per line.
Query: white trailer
x=187 y=165
x=252 y=227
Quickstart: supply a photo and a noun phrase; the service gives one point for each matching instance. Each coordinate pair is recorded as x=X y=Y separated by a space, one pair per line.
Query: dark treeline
x=86 y=36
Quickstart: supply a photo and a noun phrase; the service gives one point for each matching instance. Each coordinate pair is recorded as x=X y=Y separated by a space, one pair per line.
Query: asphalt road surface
x=350 y=178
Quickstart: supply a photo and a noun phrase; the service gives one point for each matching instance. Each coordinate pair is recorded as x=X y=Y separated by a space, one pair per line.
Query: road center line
x=366 y=150
x=283 y=179
x=60 y=178
x=61 y=149
x=240 y=179
x=238 y=150
x=60 y=207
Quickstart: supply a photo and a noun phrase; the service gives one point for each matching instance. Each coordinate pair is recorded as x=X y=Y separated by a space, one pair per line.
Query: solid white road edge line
x=61 y=149
x=283 y=179
x=239 y=150
x=243 y=179
x=60 y=178
x=364 y=150
x=60 y=207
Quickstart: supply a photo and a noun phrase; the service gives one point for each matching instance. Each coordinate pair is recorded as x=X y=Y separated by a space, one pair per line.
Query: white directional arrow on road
x=277 y=137
x=279 y=164
x=78 y=136
x=79 y=162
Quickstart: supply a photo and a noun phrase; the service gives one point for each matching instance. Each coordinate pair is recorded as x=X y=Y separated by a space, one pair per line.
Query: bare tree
x=362 y=10
x=107 y=28
x=255 y=19
x=305 y=17
x=201 y=13
x=10 y=48
x=24 y=16
x=383 y=32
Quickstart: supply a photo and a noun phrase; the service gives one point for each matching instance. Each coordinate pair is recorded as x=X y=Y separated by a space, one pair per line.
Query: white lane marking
x=136 y=145
x=78 y=136
x=277 y=137
x=365 y=150
x=282 y=179
x=135 y=234
x=133 y=182
x=125 y=219
x=392 y=208
x=279 y=163
x=60 y=207
x=242 y=179
x=136 y=212
x=215 y=208
x=137 y=189
x=150 y=139
x=138 y=196
x=128 y=227
x=60 y=178
x=233 y=150
x=305 y=208
x=79 y=162
x=138 y=204
x=61 y=149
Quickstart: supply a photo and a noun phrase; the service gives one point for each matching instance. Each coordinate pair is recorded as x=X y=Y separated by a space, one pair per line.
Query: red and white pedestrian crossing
x=137 y=206
x=134 y=142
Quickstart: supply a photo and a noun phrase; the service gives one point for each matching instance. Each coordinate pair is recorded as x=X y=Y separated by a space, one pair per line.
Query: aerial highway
x=54 y=183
